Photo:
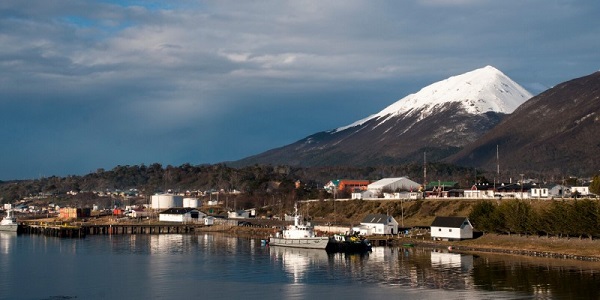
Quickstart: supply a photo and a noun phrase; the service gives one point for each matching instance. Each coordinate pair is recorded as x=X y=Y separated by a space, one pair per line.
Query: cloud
x=122 y=75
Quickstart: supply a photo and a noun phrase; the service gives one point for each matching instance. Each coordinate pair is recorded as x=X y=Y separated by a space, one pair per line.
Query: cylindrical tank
x=162 y=201
x=190 y=202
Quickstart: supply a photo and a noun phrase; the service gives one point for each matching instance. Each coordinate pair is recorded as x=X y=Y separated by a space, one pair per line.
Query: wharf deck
x=81 y=230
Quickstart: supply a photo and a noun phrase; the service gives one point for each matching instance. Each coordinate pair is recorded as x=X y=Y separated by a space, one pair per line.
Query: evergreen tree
x=482 y=216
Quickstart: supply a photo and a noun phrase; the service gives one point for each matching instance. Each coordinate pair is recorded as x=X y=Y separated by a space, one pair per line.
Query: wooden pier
x=63 y=231
x=103 y=229
x=80 y=231
x=382 y=240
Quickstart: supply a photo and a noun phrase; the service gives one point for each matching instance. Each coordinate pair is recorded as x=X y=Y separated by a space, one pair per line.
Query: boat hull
x=306 y=243
x=348 y=247
x=10 y=227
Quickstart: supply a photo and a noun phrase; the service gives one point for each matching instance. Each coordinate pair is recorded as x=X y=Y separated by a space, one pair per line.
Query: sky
x=95 y=84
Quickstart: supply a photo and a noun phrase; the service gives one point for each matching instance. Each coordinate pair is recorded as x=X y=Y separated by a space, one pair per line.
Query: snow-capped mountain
x=440 y=119
x=478 y=91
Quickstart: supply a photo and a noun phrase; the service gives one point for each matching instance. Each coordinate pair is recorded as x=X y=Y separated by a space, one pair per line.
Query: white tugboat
x=299 y=236
x=9 y=223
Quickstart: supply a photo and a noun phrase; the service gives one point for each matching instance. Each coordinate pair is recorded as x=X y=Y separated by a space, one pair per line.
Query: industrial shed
x=393 y=185
x=181 y=215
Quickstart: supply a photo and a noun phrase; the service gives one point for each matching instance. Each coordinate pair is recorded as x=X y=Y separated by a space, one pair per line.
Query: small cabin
x=451 y=228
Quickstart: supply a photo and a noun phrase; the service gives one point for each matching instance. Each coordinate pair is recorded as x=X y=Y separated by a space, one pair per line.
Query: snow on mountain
x=478 y=91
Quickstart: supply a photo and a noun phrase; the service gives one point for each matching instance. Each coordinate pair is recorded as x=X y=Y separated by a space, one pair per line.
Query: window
x=450 y=230
x=439 y=229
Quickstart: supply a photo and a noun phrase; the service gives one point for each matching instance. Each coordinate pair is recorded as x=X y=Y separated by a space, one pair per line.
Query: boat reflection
x=6 y=241
x=298 y=261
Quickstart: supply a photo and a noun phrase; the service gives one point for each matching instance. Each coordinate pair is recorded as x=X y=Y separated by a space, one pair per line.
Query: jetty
x=74 y=230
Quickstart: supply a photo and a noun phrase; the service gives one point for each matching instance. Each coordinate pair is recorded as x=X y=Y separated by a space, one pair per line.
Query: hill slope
x=556 y=131
x=439 y=119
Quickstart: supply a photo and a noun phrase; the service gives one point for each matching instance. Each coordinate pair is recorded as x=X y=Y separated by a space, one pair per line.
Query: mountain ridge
x=402 y=131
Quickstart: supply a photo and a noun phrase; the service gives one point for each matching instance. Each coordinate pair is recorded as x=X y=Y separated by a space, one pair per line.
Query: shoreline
x=533 y=246
x=544 y=247
x=568 y=249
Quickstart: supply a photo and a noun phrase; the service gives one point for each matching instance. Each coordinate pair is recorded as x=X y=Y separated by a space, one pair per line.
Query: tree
x=595 y=185
x=482 y=216
x=583 y=216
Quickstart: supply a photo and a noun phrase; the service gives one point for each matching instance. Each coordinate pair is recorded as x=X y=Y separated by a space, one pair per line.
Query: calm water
x=202 y=266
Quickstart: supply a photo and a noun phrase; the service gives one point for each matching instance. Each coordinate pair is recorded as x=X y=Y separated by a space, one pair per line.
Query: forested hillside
x=256 y=181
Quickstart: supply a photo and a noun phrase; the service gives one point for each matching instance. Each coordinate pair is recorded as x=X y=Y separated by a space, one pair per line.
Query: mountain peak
x=478 y=92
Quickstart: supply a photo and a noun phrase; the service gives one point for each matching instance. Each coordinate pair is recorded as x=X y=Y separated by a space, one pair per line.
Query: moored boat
x=299 y=236
x=348 y=244
x=9 y=223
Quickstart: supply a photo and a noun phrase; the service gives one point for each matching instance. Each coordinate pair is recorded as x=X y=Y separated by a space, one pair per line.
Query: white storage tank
x=191 y=202
x=163 y=201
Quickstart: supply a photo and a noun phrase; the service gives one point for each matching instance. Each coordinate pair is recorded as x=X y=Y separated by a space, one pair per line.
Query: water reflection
x=166 y=266
x=298 y=262
x=541 y=277
x=6 y=241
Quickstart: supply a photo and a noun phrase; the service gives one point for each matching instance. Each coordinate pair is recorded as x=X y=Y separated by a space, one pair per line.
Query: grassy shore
x=573 y=248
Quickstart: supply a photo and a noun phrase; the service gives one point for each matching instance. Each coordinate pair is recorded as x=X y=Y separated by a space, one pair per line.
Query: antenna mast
x=424 y=169
x=497 y=168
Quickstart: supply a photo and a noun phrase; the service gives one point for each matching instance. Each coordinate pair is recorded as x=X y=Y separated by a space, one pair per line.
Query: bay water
x=203 y=266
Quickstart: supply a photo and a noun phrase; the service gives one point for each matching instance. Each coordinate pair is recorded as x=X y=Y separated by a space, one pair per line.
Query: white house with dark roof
x=451 y=228
x=181 y=215
x=377 y=224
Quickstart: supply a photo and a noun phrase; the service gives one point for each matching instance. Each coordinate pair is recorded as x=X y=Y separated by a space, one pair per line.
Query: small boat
x=348 y=244
x=299 y=236
x=408 y=245
x=9 y=223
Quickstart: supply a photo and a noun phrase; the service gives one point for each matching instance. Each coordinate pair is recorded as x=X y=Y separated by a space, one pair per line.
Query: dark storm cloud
x=91 y=84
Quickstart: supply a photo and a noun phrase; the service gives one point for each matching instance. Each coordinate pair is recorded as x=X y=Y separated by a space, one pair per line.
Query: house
x=346 y=185
x=363 y=195
x=451 y=228
x=403 y=195
x=514 y=190
x=479 y=191
x=559 y=191
x=539 y=192
x=393 y=185
x=181 y=215
x=209 y=220
x=238 y=214
x=580 y=191
x=440 y=189
x=377 y=224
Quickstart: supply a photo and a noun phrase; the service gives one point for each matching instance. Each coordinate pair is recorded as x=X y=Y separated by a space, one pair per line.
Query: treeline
x=254 y=181
x=561 y=218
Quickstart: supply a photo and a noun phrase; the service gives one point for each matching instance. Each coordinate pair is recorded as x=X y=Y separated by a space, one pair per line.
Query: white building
x=377 y=224
x=181 y=215
x=451 y=228
x=139 y=213
x=239 y=214
x=393 y=185
x=403 y=195
x=538 y=192
x=479 y=192
x=363 y=195
x=209 y=220
x=580 y=190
